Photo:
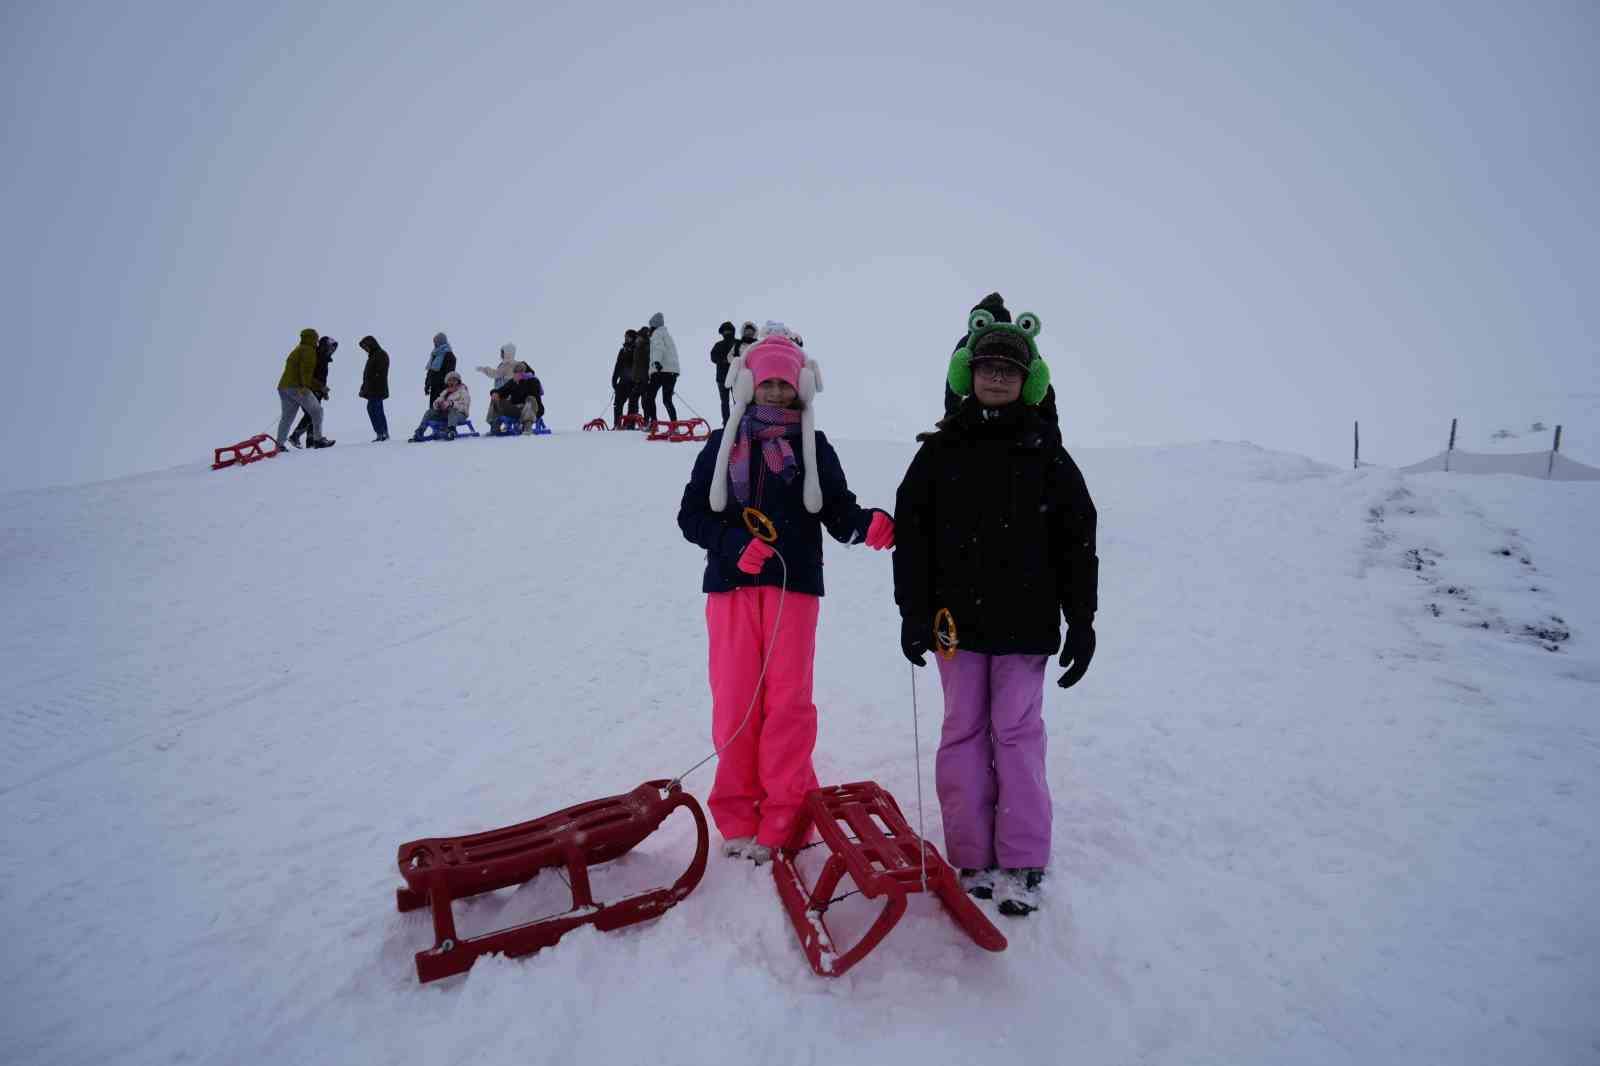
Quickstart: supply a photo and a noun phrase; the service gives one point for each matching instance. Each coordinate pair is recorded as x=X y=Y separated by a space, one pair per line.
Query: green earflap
x=959 y=375
x=1037 y=384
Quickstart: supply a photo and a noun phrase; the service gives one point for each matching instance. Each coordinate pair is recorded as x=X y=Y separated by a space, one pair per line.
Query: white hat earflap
x=741 y=390
x=810 y=385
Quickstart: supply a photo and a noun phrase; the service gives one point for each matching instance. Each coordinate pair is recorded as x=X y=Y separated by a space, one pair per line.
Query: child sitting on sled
x=448 y=409
x=995 y=525
x=769 y=457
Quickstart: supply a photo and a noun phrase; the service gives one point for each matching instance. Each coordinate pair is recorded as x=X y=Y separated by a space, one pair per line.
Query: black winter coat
x=641 y=359
x=326 y=346
x=722 y=351
x=622 y=372
x=434 y=379
x=375 y=375
x=725 y=538
x=517 y=391
x=994 y=522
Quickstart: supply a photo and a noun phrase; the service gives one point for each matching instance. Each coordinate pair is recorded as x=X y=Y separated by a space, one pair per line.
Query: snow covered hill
x=1329 y=793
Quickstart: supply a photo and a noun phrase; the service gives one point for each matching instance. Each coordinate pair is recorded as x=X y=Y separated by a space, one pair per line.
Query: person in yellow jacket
x=297 y=391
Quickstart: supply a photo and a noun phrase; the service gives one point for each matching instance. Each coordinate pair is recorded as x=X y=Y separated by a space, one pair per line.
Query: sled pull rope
x=916 y=740
x=760 y=527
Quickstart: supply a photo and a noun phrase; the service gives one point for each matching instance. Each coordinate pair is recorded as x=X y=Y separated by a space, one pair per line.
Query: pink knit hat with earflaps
x=774 y=356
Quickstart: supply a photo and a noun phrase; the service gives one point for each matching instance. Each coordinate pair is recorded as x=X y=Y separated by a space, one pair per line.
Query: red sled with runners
x=679 y=431
x=440 y=870
x=245 y=452
x=870 y=840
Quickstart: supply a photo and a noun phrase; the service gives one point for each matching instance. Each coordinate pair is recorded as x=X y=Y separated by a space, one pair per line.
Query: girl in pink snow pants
x=997 y=527
x=768 y=457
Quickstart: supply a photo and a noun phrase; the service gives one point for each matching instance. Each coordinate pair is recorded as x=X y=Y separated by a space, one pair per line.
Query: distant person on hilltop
x=326 y=346
x=521 y=398
x=450 y=408
x=995 y=475
x=441 y=362
x=769 y=457
x=721 y=352
x=375 y=386
x=504 y=370
x=995 y=304
x=748 y=335
x=663 y=366
x=641 y=372
x=622 y=387
x=297 y=391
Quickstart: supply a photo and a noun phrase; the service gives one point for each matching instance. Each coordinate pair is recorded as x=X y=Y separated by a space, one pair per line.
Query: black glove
x=1077 y=650
x=916 y=639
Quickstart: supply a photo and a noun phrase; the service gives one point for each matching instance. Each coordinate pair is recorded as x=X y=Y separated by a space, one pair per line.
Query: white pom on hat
x=776 y=329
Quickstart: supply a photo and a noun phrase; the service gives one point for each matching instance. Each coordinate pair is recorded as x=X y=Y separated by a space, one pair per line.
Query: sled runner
x=506 y=426
x=870 y=840
x=439 y=870
x=245 y=452
x=434 y=430
x=691 y=429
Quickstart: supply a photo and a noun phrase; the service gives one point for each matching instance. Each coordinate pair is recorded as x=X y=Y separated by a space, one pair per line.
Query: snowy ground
x=1328 y=795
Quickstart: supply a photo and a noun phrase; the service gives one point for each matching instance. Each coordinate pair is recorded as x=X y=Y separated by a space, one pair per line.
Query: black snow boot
x=978 y=883
x=1018 y=891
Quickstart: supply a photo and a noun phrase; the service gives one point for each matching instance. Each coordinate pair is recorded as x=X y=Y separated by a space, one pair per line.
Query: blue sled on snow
x=505 y=426
x=436 y=429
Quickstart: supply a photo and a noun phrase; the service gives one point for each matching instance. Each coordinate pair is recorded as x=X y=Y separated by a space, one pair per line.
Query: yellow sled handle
x=759 y=525
x=944 y=633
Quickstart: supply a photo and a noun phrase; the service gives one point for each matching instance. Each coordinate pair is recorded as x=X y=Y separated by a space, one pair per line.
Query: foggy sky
x=1259 y=221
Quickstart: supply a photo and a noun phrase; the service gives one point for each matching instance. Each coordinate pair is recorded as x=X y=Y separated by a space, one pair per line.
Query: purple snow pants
x=990 y=771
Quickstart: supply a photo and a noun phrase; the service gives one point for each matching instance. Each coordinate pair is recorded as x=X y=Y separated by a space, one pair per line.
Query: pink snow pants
x=990 y=770
x=763 y=776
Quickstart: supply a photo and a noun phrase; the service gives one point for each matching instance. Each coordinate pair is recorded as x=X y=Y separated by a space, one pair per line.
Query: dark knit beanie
x=995 y=304
x=726 y=329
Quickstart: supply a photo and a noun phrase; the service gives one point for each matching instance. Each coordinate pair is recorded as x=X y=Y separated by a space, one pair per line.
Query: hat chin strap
x=810 y=385
x=741 y=393
x=742 y=390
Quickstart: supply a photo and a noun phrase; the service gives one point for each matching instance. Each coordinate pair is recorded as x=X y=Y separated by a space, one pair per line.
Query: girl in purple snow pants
x=995 y=525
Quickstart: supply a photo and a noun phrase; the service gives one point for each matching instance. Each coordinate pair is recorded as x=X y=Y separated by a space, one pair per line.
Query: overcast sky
x=1257 y=221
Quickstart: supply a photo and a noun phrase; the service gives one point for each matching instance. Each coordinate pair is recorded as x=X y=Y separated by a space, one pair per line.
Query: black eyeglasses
x=998 y=371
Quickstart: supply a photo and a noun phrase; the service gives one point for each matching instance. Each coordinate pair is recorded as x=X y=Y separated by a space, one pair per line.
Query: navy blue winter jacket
x=724 y=537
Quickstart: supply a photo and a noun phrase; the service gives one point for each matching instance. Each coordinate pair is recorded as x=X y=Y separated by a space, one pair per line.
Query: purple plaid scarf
x=773 y=427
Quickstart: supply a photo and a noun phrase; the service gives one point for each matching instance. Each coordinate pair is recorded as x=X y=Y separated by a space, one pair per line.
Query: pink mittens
x=756 y=553
x=880 y=533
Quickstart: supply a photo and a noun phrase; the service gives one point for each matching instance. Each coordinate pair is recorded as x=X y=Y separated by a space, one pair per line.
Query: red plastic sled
x=245 y=452
x=871 y=841
x=690 y=429
x=439 y=870
x=595 y=423
x=631 y=422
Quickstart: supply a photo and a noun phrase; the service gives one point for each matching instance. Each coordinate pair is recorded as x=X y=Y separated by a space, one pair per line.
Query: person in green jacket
x=297 y=391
